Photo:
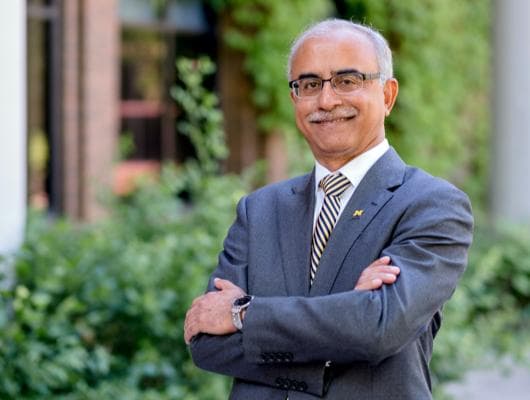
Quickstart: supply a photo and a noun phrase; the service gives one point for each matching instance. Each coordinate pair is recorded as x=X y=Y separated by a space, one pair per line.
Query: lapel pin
x=357 y=213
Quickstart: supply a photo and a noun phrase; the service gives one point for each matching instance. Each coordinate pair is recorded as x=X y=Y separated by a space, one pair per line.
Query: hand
x=211 y=312
x=376 y=274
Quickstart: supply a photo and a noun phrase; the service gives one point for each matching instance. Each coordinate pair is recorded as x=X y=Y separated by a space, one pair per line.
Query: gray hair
x=324 y=28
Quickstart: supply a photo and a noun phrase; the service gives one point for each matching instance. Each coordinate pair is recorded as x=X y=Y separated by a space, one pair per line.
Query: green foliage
x=98 y=309
x=202 y=121
x=489 y=314
x=441 y=50
x=263 y=30
x=441 y=54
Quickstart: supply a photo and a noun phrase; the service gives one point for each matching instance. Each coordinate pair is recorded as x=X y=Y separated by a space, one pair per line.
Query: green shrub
x=104 y=303
x=98 y=309
x=488 y=317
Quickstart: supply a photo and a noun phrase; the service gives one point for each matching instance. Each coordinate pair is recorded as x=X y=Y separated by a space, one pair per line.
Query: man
x=322 y=319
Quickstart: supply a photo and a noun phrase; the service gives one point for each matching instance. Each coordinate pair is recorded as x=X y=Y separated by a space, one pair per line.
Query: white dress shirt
x=354 y=170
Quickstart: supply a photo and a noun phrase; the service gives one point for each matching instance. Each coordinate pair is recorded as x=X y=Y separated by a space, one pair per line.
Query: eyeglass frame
x=366 y=76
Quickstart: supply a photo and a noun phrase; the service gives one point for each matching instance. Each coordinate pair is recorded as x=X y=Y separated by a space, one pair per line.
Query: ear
x=390 y=91
x=293 y=97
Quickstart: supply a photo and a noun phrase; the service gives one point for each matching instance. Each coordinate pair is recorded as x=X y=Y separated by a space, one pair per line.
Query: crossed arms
x=377 y=319
x=210 y=313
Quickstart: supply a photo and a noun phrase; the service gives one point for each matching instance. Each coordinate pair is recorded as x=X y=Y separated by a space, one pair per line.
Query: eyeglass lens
x=341 y=84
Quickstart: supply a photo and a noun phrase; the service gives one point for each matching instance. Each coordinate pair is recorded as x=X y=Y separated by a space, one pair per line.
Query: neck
x=334 y=165
x=335 y=162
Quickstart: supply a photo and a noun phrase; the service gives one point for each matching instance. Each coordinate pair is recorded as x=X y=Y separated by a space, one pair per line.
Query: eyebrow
x=308 y=75
x=346 y=71
x=335 y=73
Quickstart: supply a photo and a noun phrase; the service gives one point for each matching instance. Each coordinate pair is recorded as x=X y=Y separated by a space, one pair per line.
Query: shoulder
x=409 y=181
x=423 y=183
x=434 y=199
x=283 y=188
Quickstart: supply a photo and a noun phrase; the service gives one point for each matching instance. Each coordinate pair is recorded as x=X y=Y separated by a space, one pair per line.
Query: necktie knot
x=334 y=184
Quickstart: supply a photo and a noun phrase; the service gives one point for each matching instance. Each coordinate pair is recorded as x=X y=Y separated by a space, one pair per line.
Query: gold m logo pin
x=357 y=213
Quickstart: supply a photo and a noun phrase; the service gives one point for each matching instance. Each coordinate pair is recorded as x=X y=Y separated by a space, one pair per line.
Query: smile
x=331 y=121
x=337 y=115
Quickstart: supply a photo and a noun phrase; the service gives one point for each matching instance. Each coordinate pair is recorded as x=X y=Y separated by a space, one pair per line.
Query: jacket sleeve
x=429 y=243
x=225 y=354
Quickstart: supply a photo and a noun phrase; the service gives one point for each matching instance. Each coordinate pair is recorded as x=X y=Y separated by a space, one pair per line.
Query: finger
x=373 y=278
x=369 y=284
x=387 y=269
x=384 y=276
x=223 y=284
x=372 y=272
x=387 y=278
x=191 y=327
x=385 y=260
x=187 y=331
x=188 y=335
x=187 y=325
x=196 y=301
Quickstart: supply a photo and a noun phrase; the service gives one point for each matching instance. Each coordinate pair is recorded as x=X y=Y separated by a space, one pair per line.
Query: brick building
x=100 y=70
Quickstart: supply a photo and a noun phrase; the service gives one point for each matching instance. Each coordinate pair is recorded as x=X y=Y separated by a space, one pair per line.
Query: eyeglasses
x=342 y=83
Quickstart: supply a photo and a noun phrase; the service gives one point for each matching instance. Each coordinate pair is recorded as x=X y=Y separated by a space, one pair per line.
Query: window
x=44 y=144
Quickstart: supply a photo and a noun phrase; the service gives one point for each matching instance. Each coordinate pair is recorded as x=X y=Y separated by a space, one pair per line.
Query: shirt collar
x=355 y=169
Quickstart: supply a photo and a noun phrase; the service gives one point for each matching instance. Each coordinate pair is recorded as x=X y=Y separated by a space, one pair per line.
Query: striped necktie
x=334 y=185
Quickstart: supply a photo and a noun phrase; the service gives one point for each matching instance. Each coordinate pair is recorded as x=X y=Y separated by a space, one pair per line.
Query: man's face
x=340 y=127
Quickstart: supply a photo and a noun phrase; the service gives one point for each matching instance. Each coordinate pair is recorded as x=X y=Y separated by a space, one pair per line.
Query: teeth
x=333 y=120
x=336 y=115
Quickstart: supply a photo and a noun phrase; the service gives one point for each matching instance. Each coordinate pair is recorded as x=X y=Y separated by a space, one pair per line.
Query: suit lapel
x=373 y=193
x=295 y=220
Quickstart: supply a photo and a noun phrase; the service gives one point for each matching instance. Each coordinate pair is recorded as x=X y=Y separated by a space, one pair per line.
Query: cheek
x=301 y=112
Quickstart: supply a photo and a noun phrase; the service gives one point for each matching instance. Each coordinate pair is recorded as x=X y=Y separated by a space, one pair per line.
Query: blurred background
x=132 y=127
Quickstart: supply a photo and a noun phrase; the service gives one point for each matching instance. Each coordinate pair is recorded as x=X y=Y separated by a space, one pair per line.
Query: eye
x=348 y=82
x=310 y=84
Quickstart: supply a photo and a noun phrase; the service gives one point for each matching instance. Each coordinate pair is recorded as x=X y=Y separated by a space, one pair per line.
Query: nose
x=328 y=99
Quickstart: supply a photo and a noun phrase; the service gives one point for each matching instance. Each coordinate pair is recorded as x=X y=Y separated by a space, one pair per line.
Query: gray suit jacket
x=379 y=342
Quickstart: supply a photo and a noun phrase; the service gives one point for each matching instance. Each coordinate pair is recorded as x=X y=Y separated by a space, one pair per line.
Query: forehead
x=323 y=55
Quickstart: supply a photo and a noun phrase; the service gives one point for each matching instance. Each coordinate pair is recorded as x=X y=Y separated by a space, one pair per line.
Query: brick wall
x=90 y=103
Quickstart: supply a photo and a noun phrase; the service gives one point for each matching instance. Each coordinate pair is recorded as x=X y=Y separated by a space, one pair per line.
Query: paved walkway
x=493 y=385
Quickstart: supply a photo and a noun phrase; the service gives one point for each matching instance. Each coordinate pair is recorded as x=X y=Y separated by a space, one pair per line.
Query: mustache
x=336 y=113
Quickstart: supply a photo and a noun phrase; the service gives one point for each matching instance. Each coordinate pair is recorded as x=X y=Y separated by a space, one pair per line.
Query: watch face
x=242 y=301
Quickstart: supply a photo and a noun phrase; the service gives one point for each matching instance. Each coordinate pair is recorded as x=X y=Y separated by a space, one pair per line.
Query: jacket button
x=302 y=386
x=279 y=381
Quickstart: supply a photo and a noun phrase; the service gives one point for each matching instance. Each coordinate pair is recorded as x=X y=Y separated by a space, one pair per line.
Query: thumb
x=223 y=284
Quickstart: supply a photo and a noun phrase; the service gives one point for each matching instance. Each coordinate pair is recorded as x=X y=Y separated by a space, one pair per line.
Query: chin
x=337 y=153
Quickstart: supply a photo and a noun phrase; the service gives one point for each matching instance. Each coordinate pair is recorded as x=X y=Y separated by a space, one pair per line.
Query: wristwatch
x=238 y=306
